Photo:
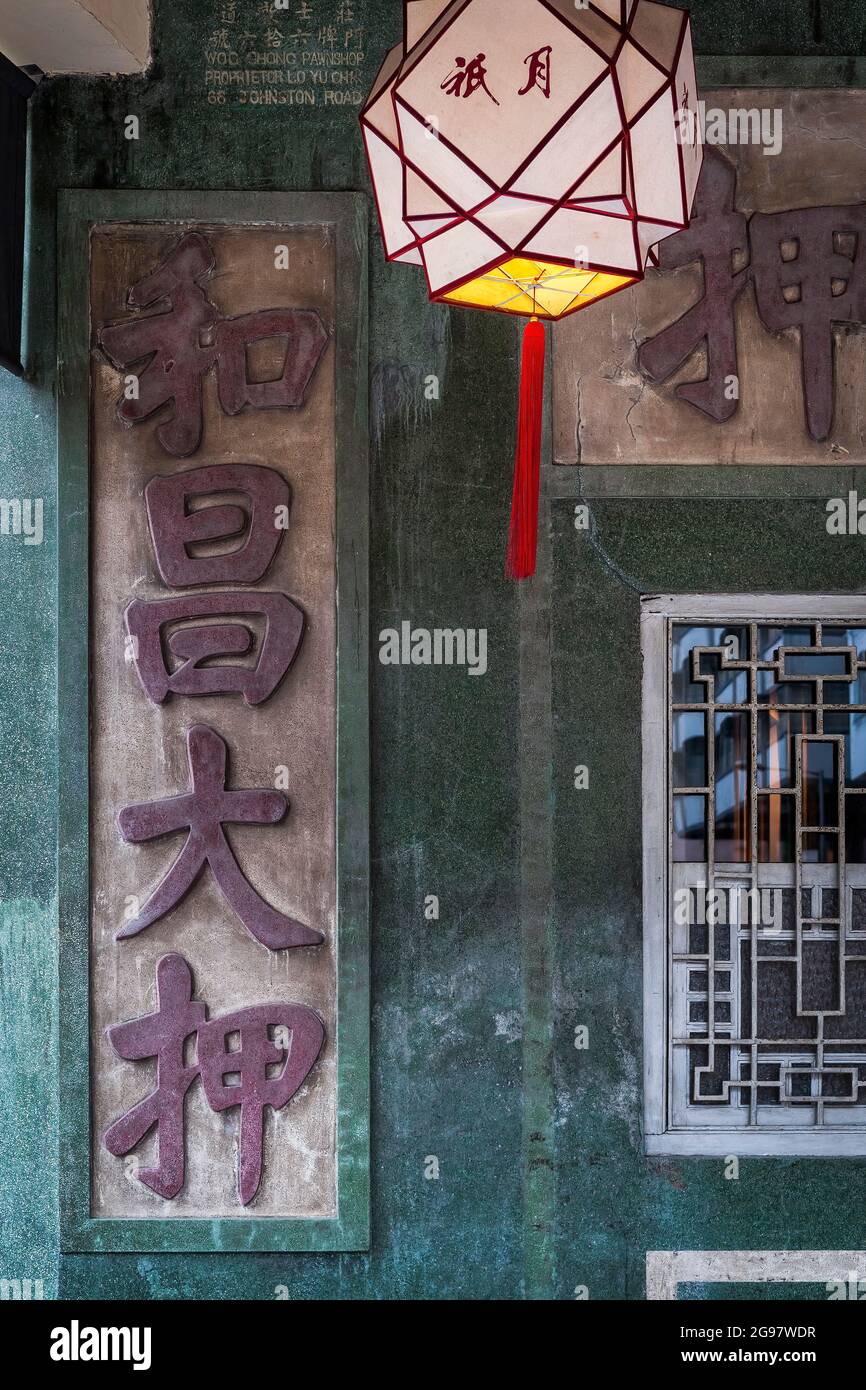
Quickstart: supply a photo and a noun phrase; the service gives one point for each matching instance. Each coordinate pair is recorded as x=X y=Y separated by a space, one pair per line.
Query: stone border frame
x=346 y=214
x=667 y=1269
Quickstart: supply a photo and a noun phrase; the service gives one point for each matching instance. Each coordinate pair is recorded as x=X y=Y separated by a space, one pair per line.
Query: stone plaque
x=748 y=345
x=219 y=310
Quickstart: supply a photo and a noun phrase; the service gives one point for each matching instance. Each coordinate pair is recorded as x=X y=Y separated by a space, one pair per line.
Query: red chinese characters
x=177 y=524
x=230 y=1075
x=147 y=623
x=203 y=811
x=808 y=270
x=179 y=343
x=216 y=525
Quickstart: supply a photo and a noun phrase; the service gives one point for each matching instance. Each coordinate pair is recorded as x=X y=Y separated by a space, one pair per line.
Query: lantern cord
x=523 y=536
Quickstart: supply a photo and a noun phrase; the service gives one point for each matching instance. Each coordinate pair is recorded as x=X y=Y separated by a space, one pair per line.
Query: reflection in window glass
x=820 y=784
x=853 y=726
x=776 y=824
x=731 y=687
x=769 y=693
x=684 y=638
x=689 y=767
x=846 y=692
x=770 y=639
x=814 y=664
x=777 y=729
x=847 y=637
x=689 y=845
x=732 y=789
x=855 y=828
x=820 y=849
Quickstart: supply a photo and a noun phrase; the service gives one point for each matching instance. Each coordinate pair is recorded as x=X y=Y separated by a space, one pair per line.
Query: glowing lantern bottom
x=539 y=288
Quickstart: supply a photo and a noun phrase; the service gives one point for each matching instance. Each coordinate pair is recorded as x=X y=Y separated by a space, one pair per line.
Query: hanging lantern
x=530 y=156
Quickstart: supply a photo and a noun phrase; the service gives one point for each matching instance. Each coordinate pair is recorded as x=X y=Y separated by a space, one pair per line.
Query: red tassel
x=523 y=537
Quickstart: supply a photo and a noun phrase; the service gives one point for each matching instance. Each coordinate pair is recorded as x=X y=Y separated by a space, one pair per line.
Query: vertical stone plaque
x=214 y=1026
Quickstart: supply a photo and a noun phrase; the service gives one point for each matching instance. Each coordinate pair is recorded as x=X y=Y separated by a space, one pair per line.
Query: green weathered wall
x=616 y=1203
x=543 y=1186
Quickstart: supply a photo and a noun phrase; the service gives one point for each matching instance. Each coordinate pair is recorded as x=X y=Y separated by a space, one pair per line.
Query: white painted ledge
x=837 y=1142
x=69 y=36
x=667 y=1269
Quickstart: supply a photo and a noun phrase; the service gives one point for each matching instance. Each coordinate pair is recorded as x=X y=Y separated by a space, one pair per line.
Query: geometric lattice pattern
x=767 y=865
x=531 y=155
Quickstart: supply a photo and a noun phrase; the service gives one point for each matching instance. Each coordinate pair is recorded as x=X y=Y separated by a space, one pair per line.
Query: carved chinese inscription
x=286 y=1037
x=203 y=811
x=184 y=337
x=747 y=345
x=205 y=654
x=808 y=269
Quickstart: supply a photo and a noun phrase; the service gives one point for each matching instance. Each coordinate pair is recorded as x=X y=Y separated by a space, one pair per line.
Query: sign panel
x=221 y=393
x=747 y=346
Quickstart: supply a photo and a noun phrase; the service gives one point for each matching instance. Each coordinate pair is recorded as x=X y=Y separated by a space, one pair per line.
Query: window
x=754 y=765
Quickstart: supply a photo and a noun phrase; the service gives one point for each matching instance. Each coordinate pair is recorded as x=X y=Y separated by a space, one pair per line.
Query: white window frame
x=660 y=1137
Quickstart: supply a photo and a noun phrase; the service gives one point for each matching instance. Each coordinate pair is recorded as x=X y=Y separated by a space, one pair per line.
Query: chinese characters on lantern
x=808 y=270
x=177 y=644
x=538 y=65
x=470 y=75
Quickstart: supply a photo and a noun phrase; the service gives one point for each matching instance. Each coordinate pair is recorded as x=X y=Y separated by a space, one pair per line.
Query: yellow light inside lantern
x=540 y=288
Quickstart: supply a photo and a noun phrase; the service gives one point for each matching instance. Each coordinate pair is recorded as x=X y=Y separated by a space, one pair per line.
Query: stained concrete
x=447 y=1080
x=138 y=749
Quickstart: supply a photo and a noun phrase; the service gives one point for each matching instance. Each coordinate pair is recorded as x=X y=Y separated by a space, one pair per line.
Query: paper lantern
x=530 y=156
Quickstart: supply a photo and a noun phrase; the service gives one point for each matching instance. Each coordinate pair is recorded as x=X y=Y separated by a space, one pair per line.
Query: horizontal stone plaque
x=748 y=345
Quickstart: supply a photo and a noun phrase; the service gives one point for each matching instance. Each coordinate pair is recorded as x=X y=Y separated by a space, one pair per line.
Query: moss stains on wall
x=449 y=1015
